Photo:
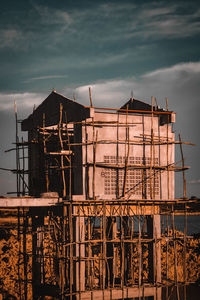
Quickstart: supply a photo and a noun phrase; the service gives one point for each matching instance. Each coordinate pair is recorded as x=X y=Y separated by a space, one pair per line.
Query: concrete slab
x=28 y=202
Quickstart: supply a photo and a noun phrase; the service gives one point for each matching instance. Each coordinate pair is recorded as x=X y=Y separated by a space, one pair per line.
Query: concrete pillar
x=37 y=259
x=157 y=254
x=109 y=250
x=154 y=248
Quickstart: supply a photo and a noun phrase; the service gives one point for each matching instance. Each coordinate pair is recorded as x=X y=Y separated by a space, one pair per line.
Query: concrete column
x=157 y=254
x=109 y=250
x=37 y=260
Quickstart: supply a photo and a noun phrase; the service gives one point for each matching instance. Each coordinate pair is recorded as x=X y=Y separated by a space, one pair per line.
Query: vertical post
x=117 y=152
x=109 y=248
x=150 y=249
x=19 y=251
x=90 y=95
x=144 y=171
x=61 y=145
x=157 y=254
x=37 y=249
x=154 y=250
x=151 y=150
x=114 y=237
x=127 y=154
x=168 y=194
x=139 y=251
x=45 y=151
x=80 y=254
x=17 y=151
x=71 y=250
x=175 y=255
x=122 y=250
x=25 y=253
x=185 y=253
x=185 y=218
x=132 y=249
x=23 y=168
x=89 y=277
x=167 y=258
x=94 y=163
x=104 y=247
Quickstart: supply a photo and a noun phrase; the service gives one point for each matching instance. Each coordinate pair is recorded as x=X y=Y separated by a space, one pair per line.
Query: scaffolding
x=88 y=247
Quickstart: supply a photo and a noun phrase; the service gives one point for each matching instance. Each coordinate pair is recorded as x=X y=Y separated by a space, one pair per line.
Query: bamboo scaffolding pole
x=131 y=166
x=135 y=111
x=17 y=150
x=117 y=151
x=70 y=159
x=135 y=201
x=167 y=260
x=132 y=265
x=154 y=171
x=144 y=182
x=25 y=255
x=126 y=159
x=139 y=257
x=71 y=250
x=61 y=145
x=19 y=252
x=175 y=255
x=155 y=258
x=104 y=249
x=159 y=159
x=70 y=198
x=167 y=128
x=23 y=167
x=132 y=142
x=94 y=166
x=79 y=263
x=151 y=151
x=101 y=256
x=183 y=165
x=185 y=254
x=90 y=95
x=122 y=251
x=89 y=277
x=185 y=223
x=45 y=152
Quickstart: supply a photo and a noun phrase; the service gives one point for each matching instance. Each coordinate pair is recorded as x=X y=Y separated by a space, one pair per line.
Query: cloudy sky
x=148 y=47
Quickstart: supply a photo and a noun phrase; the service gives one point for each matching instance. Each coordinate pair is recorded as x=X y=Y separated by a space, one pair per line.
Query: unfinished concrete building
x=100 y=179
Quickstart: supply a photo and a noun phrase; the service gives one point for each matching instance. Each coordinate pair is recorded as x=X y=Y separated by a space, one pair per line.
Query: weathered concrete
x=130 y=292
x=28 y=202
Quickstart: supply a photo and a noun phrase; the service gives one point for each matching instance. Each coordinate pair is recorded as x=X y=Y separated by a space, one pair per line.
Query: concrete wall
x=109 y=183
x=107 y=150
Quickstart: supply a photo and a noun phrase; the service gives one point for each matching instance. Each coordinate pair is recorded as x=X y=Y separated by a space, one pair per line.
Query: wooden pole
x=168 y=194
x=45 y=151
x=61 y=145
x=90 y=95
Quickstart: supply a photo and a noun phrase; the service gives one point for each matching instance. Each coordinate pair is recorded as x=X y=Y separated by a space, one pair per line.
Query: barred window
x=138 y=181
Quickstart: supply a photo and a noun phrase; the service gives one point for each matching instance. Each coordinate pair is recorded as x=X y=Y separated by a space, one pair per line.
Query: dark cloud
x=98 y=40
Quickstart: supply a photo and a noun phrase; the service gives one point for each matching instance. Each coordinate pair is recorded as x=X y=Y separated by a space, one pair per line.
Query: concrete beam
x=128 y=292
x=15 y=202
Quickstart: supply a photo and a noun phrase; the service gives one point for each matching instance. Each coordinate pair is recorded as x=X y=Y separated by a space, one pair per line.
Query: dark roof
x=51 y=107
x=134 y=104
x=143 y=107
